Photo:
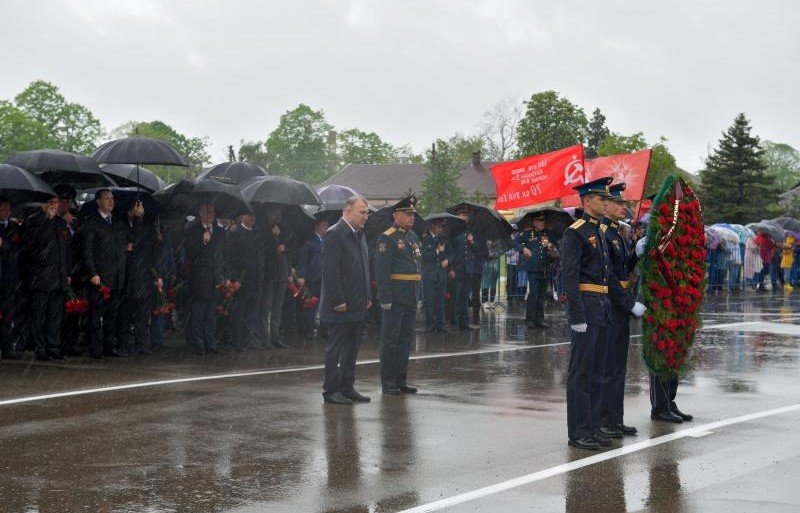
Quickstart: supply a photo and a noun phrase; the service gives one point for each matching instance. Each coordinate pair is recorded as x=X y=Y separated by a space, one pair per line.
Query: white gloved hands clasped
x=386 y=306
x=638 y=309
x=580 y=328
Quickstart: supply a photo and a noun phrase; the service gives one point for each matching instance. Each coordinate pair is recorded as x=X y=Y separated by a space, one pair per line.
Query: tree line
x=741 y=181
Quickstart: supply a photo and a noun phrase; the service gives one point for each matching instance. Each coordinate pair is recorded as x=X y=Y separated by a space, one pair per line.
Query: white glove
x=580 y=328
x=386 y=306
x=419 y=306
x=638 y=309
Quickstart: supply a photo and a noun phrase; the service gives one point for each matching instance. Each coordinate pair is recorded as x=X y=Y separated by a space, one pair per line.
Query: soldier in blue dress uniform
x=616 y=360
x=398 y=260
x=586 y=272
x=537 y=252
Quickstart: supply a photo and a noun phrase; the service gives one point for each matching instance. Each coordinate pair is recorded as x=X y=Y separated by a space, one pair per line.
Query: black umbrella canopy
x=383 y=218
x=484 y=222
x=186 y=196
x=131 y=175
x=19 y=186
x=557 y=219
x=455 y=225
x=233 y=172
x=279 y=189
x=297 y=225
x=57 y=166
x=139 y=150
x=334 y=196
x=787 y=223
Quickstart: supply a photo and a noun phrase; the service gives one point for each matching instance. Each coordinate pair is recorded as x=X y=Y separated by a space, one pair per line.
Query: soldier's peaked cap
x=599 y=186
x=616 y=192
x=407 y=204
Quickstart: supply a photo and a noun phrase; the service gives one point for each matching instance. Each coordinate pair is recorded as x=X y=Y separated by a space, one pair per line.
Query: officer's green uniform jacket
x=432 y=262
x=398 y=260
x=540 y=259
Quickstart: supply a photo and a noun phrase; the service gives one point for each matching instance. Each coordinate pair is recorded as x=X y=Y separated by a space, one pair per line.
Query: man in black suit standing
x=204 y=243
x=245 y=259
x=104 y=257
x=10 y=293
x=344 y=300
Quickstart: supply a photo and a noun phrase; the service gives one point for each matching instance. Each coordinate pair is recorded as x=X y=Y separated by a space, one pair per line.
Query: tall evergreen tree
x=735 y=188
x=598 y=131
x=440 y=188
x=550 y=123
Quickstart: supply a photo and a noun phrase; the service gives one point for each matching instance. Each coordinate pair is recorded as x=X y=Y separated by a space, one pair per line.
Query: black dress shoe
x=356 y=397
x=541 y=325
x=408 y=390
x=142 y=351
x=392 y=391
x=611 y=432
x=602 y=439
x=12 y=354
x=336 y=398
x=685 y=416
x=666 y=416
x=115 y=354
x=628 y=430
x=215 y=350
x=98 y=356
x=587 y=443
x=43 y=357
x=441 y=330
x=56 y=355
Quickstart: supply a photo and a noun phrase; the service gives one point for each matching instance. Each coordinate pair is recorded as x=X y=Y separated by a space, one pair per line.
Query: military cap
x=599 y=186
x=616 y=192
x=407 y=204
x=538 y=215
x=65 y=191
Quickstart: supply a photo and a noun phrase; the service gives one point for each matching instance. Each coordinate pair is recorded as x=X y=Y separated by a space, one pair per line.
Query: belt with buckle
x=405 y=277
x=591 y=287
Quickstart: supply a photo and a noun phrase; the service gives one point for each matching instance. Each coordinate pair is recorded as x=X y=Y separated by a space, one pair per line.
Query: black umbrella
x=56 y=166
x=278 y=189
x=124 y=197
x=557 y=219
x=126 y=175
x=334 y=196
x=20 y=186
x=383 y=218
x=187 y=196
x=455 y=225
x=485 y=222
x=233 y=172
x=787 y=223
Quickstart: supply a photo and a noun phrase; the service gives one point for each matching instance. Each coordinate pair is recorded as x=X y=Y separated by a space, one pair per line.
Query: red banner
x=539 y=178
x=630 y=168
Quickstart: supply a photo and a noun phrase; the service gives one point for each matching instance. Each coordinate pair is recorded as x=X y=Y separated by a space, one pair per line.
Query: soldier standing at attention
x=435 y=264
x=619 y=332
x=586 y=269
x=397 y=271
x=538 y=251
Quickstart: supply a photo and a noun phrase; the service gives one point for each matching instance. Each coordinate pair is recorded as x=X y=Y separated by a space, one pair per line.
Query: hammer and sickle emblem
x=573 y=172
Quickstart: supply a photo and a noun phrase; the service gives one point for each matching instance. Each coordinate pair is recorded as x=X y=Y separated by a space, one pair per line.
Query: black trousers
x=537 y=288
x=202 y=326
x=103 y=321
x=461 y=288
x=397 y=334
x=662 y=394
x=434 y=289
x=475 y=294
x=614 y=368
x=134 y=320
x=246 y=321
x=341 y=351
x=11 y=324
x=272 y=296
x=47 y=310
x=584 y=387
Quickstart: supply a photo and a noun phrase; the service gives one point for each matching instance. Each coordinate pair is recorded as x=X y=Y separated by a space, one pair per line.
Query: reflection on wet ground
x=491 y=409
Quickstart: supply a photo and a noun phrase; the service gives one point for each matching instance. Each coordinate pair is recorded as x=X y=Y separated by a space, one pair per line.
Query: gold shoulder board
x=603 y=228
x=577 y=224
x=390 y=231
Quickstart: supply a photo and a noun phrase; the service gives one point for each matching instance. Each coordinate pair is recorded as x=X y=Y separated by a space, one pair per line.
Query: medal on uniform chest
x=417 y=252
x=615 y=242
x=593 y=240
x=382 y=247
x=401 y=244
x=545 y=241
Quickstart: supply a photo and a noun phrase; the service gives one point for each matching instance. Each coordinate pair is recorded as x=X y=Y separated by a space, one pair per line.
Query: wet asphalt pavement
x=491 y=410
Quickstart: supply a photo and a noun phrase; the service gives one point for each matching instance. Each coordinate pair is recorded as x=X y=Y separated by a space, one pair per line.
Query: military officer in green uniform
x=435 y=270
x=537 y=252
x=398 y=260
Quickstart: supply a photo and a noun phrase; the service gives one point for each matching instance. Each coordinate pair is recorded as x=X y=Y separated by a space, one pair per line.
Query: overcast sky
x=413 y=70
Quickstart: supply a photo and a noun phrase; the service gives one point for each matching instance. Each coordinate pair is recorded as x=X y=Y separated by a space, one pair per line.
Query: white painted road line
x=701 y=430
x=288 y=370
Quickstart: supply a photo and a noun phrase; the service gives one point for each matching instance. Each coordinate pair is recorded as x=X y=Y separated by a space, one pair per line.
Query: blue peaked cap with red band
x=599 y=186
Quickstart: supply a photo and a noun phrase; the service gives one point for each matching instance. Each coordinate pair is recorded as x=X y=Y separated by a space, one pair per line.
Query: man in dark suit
x=204 y=243
x=245 y=259
x=9 y=282
x=104 y=248
x=344 y=300
x=276 y=276
x=47 y=263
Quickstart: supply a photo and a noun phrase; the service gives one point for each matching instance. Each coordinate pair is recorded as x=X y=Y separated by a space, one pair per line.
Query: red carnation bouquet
x=228 y=291
x=105 y=291
x=163 y=304
x=673 y=270
x=74 y=304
